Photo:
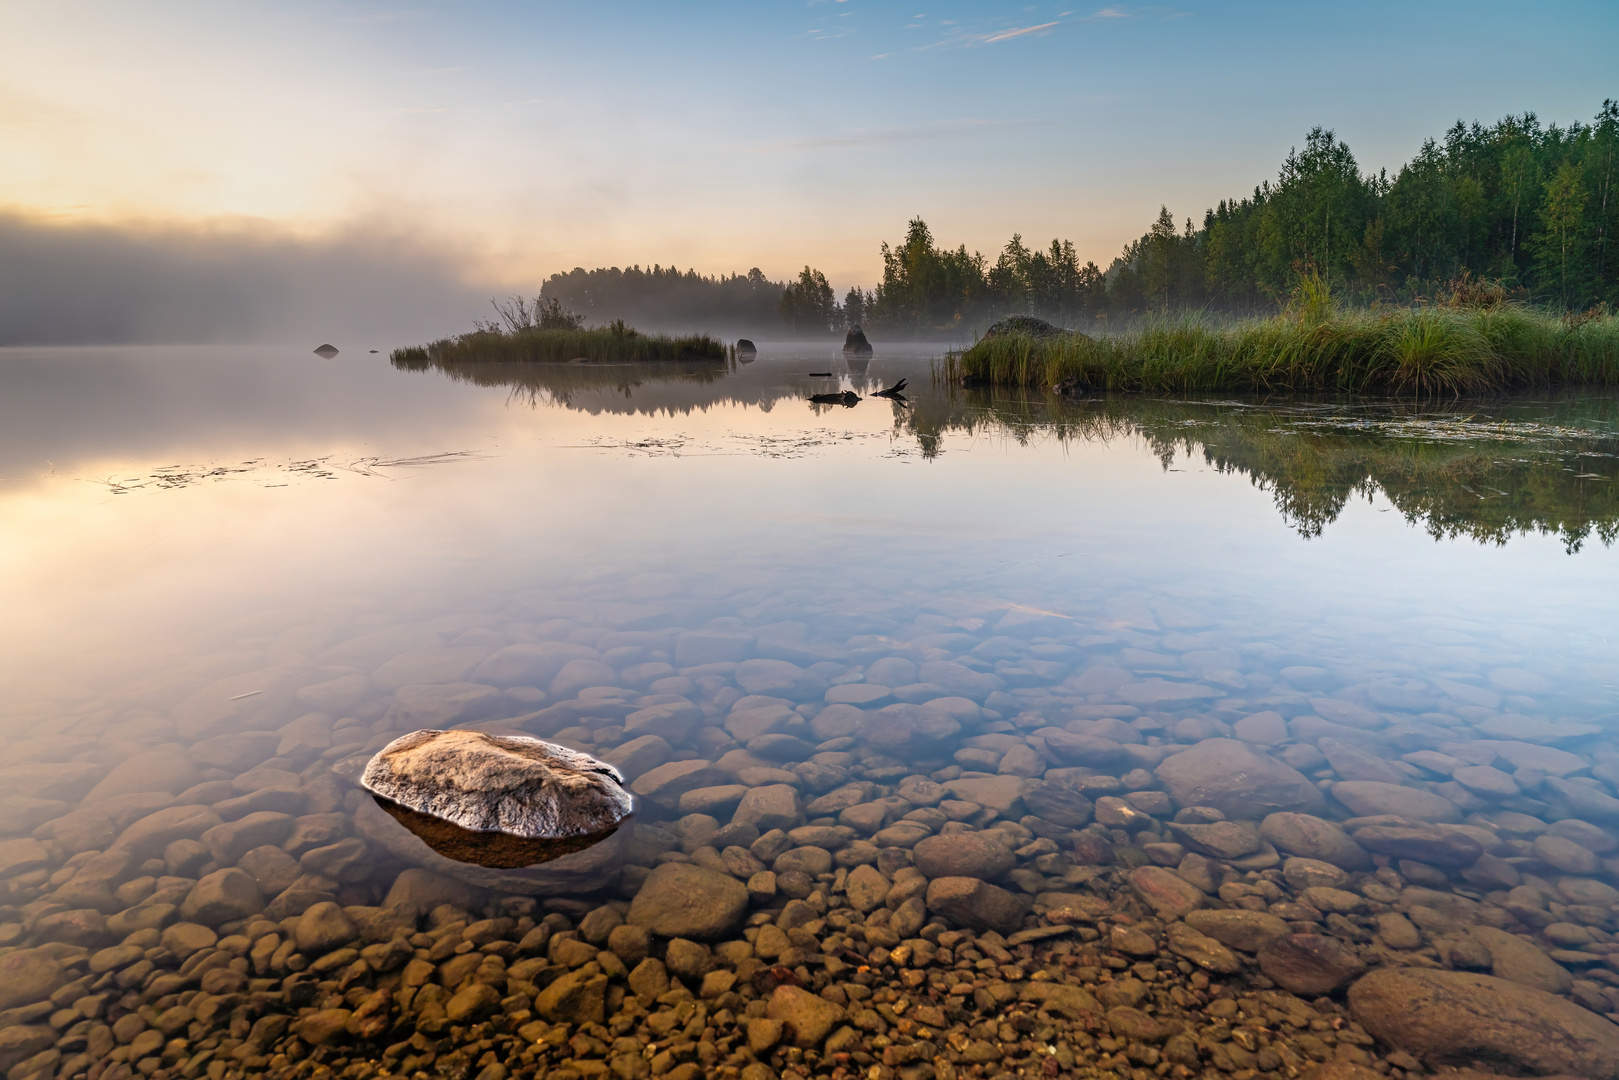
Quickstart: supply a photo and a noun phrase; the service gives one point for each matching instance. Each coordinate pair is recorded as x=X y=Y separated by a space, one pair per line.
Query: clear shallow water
x=197 y=543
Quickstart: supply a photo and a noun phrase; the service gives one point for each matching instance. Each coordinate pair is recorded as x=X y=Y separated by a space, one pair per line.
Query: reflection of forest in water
x=589 y=386
x=668 y=387
x=1478 y=470
x=1482 y=470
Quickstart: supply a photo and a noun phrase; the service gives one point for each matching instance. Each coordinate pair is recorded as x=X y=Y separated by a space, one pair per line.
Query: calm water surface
x=197 y=545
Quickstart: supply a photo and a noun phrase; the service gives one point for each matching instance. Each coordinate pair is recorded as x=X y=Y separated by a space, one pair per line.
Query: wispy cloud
x=1109 y=13
x=956 y=37
x=1007 y=35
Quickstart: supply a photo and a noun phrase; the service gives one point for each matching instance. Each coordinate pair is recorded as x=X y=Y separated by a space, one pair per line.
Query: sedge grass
x=1424 y=352
x=615 y=344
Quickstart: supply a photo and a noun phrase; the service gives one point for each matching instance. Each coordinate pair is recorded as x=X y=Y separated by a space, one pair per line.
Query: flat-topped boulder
x=497 y=800
x=1238 y=780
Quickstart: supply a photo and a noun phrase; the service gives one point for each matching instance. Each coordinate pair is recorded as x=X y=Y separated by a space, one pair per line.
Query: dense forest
x=1529 y=206
x=664 y=297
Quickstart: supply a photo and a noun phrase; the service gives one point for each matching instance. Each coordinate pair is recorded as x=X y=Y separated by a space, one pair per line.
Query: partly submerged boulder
x=745 y=350
x=326 y=351
x=497 y=800
x=855 y=343
x=1026 y=326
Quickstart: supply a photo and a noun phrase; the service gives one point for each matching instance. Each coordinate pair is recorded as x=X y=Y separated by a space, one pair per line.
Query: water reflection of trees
x=667 y=387
x=1478 y=470
x=570 y=383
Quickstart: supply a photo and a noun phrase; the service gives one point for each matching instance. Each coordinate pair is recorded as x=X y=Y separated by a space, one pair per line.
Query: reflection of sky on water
x=350 y=504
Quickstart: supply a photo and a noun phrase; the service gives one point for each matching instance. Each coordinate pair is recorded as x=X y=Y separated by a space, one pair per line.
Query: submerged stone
x=501 y=801
x=855 y=343
x=1443 y=1017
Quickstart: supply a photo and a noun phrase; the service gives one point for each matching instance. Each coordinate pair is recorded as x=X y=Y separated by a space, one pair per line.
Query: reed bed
x=617 y=344
x=1423 y=352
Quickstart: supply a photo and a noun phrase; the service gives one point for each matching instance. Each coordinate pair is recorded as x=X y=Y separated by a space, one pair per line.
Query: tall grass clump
x=614 y=343
x=1453 y=347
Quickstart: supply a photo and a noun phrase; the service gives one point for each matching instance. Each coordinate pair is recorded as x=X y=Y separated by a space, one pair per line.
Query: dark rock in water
x=1309 y=964
x=972 y=902
x=1445 y=1017
x=497 y=800
x=327 y=351
x=855 y=343
x=745 y=350
x=1027 y=326
x=1071 y=387
x=848 y=399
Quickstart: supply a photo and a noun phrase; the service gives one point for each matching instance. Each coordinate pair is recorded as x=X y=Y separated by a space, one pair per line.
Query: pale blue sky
x=525 y=137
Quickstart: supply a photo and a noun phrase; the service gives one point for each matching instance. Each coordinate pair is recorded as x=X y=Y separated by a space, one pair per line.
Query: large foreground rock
x=1238 y=781
x=497 y=800
x=1456 y=1017
x=685 y=900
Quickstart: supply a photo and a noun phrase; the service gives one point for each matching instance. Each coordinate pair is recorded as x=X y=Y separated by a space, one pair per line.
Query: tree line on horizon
x=1531 y=207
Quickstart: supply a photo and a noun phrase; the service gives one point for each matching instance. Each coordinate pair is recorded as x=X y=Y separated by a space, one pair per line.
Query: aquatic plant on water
x=1431 y=350
x=614 y=343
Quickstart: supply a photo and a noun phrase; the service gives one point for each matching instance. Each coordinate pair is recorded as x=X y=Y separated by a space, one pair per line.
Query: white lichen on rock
x=500 y=783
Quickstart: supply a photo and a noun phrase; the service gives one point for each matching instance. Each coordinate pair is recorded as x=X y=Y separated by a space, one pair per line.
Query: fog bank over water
x=98 y=284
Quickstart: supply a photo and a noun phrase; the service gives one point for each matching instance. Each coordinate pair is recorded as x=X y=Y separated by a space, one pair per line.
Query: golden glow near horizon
x=266 y=123
x=519 y=139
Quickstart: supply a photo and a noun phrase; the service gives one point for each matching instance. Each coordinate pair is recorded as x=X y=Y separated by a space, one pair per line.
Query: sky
x=493 y=142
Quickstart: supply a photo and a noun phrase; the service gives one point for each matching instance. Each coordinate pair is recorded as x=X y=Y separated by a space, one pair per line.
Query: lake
x=992 y=714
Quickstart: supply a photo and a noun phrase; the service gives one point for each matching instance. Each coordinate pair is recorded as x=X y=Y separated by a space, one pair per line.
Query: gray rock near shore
x=497 y=800
x=855 y=343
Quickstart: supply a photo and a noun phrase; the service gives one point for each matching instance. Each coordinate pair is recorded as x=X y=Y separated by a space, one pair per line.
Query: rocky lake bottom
x=1203 y=767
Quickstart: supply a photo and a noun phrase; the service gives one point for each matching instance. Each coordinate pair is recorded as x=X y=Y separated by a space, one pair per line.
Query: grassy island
x=1426 y=351
x=615 y=343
